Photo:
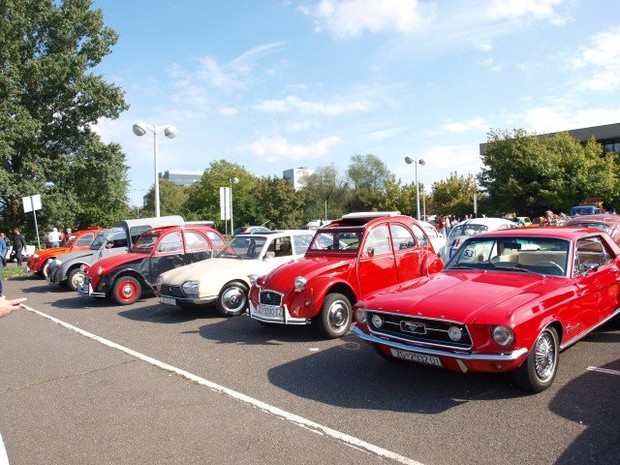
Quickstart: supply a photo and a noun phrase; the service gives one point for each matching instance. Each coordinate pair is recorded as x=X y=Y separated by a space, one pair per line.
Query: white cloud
x=538 y=9
x=491 y=65
x=601 y=59
x=274 y=149
x=462 y=127
x=350 y=18
x=293 y=103
x=228 y=111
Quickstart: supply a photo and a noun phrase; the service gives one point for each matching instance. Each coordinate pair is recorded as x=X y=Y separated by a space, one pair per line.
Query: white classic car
x=462 y=231
x=437 y=239
x=224 y=279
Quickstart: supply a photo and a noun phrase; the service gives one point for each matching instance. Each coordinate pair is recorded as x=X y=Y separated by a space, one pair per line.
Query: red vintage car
x=608 y=222
x=123 y=278
x=508 y=301
x=40 y=260
x=347 y=259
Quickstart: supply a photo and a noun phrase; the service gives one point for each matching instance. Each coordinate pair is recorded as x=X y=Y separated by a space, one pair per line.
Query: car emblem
x=412 y=327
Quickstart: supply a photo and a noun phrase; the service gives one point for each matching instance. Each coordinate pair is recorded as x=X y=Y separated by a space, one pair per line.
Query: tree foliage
x=527 y=173
x=454 y=195
x=325 y=194
x=49 y=100
x=369 y=178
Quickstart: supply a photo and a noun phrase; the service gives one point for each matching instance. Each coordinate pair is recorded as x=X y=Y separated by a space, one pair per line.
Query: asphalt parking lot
x=83 y=381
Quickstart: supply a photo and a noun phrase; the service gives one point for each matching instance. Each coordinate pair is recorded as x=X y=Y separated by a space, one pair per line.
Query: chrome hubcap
x=337 y=315
x=545 y=357
x=127 y=290
x=233 y=298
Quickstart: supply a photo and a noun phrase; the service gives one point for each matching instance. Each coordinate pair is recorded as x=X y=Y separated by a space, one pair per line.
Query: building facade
x=182 y=178
x=296 y=176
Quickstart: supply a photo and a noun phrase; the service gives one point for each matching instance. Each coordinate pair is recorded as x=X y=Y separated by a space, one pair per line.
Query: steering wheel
x=550 y=263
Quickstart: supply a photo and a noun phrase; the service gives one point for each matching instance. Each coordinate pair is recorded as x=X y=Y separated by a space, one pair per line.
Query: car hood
x=282 y=277
x=466 y=296
x=114 y=261
x=202 y=269
x=52 y=252
x=76 y=254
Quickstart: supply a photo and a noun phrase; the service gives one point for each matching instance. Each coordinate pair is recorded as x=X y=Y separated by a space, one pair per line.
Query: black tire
x=233 y=299
x=539 y=369
x=126 y=290
x=74 y=278
x=336 y=316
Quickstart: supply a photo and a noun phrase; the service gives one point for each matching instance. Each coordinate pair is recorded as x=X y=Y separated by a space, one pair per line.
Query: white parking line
x=604 y=370
x=291 y=417
x=4 y=459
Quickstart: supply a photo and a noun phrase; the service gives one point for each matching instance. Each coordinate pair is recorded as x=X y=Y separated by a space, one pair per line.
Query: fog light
x=377 y=321
x=455 y=333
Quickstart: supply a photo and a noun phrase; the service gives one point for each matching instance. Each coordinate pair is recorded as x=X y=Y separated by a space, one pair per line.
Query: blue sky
x=278 y=84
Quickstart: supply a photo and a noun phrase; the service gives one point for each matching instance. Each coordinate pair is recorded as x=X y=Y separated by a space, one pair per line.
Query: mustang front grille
x=173 y=291
x=270 y=298
x=419 y=330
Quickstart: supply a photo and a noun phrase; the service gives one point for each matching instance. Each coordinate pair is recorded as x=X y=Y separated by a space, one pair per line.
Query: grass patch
x=9 y=272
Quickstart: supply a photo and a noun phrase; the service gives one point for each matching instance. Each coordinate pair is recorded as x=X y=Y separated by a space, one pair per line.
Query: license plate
x=413 y=357
x=167 y=301
x=270 y=311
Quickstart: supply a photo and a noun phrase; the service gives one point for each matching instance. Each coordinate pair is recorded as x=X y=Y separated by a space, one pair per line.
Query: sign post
x=32 y=203
x=225 y=213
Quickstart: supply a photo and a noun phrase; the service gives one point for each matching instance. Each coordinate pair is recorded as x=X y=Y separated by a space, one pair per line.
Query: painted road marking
x=604 y=370
x=4 y=459
x=302 y=422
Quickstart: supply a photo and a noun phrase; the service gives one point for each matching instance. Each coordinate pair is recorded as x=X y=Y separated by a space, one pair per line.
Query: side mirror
x=370 y=251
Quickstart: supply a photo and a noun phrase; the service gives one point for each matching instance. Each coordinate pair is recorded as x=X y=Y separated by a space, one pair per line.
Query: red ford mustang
x=507 y=301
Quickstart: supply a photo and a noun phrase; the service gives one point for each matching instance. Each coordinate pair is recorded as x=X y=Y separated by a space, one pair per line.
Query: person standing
x=4 y=250
x=54 y=237
x=19 y=244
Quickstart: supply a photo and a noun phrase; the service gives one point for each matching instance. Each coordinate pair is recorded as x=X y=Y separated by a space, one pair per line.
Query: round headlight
x=159 y=281
x=455 y=333
x=100 y=271
x=503 y=335
x=253 y=278
x=190 y=288
x=35 y=255
x=377 y=321
x=360 y=315
x=300 y=283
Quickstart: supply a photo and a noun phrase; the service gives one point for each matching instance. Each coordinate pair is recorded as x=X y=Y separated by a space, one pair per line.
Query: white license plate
x=413 y=357
x=167 y=301
x=270 y=311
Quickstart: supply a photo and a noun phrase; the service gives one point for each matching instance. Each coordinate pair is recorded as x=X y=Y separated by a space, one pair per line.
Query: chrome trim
x=504 y=357
x=287 y=319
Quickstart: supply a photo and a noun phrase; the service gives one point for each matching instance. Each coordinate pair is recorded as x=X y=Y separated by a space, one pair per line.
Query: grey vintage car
x=66 y=269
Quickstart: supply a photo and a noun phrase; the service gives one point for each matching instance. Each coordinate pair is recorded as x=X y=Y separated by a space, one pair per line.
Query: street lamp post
x=416 y=162
x=140 y=129
x=232 y=181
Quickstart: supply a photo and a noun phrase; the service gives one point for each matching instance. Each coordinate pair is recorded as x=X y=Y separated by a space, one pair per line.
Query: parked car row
x=508 y=299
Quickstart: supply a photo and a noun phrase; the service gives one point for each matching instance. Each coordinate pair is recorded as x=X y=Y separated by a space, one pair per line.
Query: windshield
x=540 y=255
x=72 y=240
x=113 y=236
x=344 y=241
x=243 y=248
x=467 y=229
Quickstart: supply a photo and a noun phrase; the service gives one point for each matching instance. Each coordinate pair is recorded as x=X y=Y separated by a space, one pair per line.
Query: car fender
x=308 y=303
x=126 y=270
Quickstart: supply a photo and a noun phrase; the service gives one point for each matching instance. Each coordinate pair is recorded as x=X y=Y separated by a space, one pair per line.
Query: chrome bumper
x=499 y=357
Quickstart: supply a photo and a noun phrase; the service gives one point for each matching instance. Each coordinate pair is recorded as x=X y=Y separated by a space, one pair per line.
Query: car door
x=598 y=286
x=376 y=267
x=407 y=250
x=168 y=254
x=197 y=247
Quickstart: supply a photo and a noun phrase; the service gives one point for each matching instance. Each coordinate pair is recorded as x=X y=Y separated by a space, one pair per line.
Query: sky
x=279 y=84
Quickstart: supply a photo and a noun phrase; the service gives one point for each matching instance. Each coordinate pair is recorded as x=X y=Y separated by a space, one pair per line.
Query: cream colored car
x=224 y=279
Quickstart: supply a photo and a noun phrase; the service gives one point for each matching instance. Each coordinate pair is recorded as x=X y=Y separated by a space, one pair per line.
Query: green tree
x=454 y=196
x=49 y=100
x=173 y=199
x=529 y=174
x=325 y=194
x=281 y=205
x=369 y=177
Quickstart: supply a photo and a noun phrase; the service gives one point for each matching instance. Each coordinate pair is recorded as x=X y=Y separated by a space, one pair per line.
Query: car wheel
x=539 y=369
x=126 y=290
x=336 y=316
x=75 y=278
x=233 y=299
x=45 y=269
